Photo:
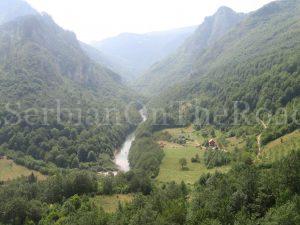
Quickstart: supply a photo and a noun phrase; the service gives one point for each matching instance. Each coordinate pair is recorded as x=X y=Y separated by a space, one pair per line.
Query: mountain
x=75 y=105
x=42 y=50
x=137 y=52
x=179 y=65
x=11 y=9
x=245 y=84
x=106 y=61
x=256 y=63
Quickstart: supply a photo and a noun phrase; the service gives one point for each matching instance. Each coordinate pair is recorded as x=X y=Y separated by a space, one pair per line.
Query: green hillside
x=256 y=63
x=35 y=51
x=43 y=66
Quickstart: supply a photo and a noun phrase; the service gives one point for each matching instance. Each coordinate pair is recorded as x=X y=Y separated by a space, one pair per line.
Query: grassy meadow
x=281 y=147
x=110 y=202
x=170 y=169
x=9 y=171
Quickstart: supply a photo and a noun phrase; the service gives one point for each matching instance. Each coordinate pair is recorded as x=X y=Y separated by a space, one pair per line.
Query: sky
x=94 y=20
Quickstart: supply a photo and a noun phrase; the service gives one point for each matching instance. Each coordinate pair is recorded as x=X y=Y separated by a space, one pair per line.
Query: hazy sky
x=98 y=19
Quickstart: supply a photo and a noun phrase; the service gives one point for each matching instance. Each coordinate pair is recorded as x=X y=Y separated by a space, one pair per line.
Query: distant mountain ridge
x=137 y=52
x=11 y=9
x=179 y=65
x=106 y=61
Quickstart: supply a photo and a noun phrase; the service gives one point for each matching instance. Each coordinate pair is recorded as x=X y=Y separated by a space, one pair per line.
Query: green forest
x=247 y=194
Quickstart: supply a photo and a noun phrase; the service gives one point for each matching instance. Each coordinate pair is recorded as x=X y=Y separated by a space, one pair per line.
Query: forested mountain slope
x=43 y=66
x=257 y=62
x=178 y=67
x=11 y=9
x=137 y=52
x=35 y=51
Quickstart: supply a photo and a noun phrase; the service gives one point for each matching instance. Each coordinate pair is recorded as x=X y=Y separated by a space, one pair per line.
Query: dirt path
x=258 y=138
x=263 y=124
x=259 y=144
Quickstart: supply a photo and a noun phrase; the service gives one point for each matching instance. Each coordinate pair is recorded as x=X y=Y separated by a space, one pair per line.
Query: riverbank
x=121 y=157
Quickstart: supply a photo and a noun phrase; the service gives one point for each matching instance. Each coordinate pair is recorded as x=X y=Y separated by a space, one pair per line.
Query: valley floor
x=170 y=169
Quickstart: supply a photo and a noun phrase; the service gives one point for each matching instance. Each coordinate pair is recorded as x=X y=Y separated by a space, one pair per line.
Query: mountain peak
x=217 y=25
x=225 y=9
x=12 y=9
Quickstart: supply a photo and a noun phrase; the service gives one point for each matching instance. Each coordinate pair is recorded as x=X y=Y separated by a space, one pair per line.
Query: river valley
x=121 y=158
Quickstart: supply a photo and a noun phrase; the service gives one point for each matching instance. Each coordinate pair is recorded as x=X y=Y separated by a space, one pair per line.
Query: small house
x=212 y=143
x=162 y=145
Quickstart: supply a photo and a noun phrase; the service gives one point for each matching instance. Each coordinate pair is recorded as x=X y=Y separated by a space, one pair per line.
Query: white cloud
x=98 y=19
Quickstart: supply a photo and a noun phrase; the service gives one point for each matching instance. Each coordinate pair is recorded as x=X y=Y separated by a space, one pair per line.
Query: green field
x=110 y=202
x=197 y=139
x=281 y=147
x=170 y=169
x=9 y=171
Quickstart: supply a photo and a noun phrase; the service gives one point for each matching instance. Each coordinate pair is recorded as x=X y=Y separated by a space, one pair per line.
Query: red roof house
x=212 y=143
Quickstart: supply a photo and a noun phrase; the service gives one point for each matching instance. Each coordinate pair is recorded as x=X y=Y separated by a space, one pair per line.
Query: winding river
x=121 y=158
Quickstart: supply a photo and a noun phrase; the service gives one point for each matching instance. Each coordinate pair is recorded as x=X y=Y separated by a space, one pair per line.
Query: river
x=121 y=158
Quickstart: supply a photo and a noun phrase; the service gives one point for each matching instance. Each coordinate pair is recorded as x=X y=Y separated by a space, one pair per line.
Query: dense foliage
x=145 y=154
x=216 y=158
x=249 y=194
x=56 y=104
x=62 y=144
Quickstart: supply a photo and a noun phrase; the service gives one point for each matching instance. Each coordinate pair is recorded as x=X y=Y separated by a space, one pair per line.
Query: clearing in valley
x=10 y=171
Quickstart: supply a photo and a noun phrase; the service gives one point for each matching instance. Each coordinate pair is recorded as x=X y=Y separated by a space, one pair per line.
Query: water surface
x=121 y=158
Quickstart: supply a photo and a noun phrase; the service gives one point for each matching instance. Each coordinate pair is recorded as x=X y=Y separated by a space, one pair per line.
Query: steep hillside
x=253 y=69
x=180 y=65
x=11 y=9
x=35 y=51
x=137 y=52
x=54 y=99
x=257 y=62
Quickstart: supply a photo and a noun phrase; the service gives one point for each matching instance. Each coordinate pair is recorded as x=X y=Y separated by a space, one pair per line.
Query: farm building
x=212 y=143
